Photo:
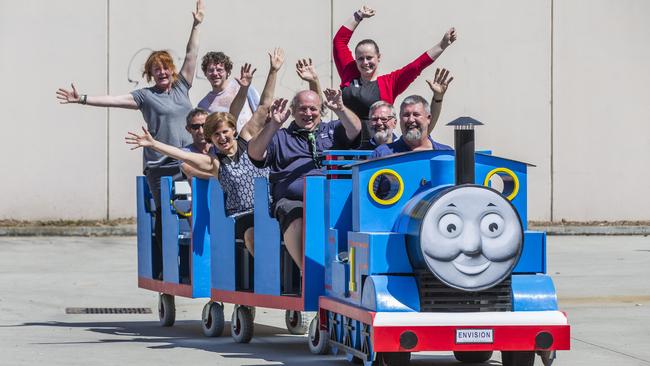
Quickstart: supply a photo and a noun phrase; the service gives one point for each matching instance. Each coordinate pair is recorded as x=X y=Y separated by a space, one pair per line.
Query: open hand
x=68 y=96
x=279 y=111
x=276 y=58
x=334 y=99
x=366 y=12
x=305 y=70
x=246 y=76
x=199 y=13
x=448 y=38
x=144 y=140
x=440 y=82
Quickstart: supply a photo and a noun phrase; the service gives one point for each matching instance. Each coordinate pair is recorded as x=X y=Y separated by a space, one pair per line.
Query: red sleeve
x=343 y=58
x=393 y=84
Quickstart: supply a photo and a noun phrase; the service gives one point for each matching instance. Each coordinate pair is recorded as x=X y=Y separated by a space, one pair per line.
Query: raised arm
x=71 y=96
x=353 y=21
x=343 y=58
x=276 y=60
x=438 y=86
x=449 y=38
x=192 y=50
x=403 y=77
x=350 y=121
x=307 y=72
x=244 y=80
x=258 y=144
x=200 y=161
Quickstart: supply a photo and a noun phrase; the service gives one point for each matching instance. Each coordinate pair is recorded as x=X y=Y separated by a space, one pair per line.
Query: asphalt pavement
x=603 y=284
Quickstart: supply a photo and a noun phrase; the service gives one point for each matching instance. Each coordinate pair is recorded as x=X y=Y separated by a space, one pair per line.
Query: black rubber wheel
x=212 y=319
x=166 y=310
x=392 y=358
x=517 y=358
x=296 y=321
x=242 y=324
x=473 y=356
x=318 y=340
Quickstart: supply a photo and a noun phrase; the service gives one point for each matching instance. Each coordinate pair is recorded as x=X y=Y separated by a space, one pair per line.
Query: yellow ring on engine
x=393 y=199
x=508 y=172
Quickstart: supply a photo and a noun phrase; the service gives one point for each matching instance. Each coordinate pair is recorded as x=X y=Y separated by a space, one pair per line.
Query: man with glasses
x=195 y=121
x=417 y=120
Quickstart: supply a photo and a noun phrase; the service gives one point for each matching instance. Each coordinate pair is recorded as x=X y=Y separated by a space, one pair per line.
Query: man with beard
x=415 y=119
x=382 y=117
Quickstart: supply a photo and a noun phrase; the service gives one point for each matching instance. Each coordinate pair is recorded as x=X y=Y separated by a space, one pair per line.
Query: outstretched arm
x=192 y=50
x=66 y=96
x=350 y=121
x=200 y=161
x=449 y=38
x=343 y=58
x=438 y=86
x=258 y=144
x=307 y=72
x=191 y=172
x=244 y=80
x=353 y=21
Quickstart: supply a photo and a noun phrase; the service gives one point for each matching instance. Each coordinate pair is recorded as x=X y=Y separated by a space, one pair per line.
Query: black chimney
x=464 y=148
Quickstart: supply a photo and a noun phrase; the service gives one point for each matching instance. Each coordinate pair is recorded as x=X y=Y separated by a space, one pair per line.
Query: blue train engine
x=424 y=254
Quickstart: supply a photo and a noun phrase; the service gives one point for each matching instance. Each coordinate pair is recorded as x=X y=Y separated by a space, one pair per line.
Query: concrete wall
x=559 y=84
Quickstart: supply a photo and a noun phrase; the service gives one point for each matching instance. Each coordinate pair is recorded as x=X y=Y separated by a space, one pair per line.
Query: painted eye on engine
x=450 y=225
x=492 y=225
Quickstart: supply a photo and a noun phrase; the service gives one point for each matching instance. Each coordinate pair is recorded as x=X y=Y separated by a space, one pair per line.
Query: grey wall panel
x=54 y=164
x=601 y=129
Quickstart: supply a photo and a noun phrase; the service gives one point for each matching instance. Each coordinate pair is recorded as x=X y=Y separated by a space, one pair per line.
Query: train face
x=470 y=237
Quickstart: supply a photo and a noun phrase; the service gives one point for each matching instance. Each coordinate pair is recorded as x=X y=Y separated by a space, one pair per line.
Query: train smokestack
x=464 y=148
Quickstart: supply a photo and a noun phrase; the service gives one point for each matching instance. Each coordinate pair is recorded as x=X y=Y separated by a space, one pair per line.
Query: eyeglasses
x=195 y=127
x=382 y=119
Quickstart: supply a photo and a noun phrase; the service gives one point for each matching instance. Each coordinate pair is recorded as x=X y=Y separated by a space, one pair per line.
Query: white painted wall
x=560 y=84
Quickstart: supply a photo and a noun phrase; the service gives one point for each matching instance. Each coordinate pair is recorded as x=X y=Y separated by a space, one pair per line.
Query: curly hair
x=216 y=58
x=159 y=57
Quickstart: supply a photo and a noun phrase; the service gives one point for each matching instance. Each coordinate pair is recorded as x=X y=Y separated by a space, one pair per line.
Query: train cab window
x=386 y=187
x=504 y=181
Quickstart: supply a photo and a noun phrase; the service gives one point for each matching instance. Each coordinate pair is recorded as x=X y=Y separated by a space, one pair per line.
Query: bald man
x=295 y=152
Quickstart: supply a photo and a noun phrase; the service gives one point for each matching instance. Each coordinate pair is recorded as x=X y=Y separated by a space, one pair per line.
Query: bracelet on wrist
x=83 y=98
x=357 y=16
x=437 y=100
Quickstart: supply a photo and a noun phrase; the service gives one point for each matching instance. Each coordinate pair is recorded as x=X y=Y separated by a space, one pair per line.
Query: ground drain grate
x=107 y=310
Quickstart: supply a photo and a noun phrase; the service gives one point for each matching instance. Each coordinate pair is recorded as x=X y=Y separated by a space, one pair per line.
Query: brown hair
x=216 y=58
x=159 y=57
x=370 y=42
x=217 y=118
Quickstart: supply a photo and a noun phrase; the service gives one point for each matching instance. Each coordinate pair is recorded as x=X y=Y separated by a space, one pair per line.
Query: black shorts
x=242 y=222
x=286 y=211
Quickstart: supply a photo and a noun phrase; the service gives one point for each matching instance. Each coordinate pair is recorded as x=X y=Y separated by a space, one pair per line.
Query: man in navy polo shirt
x=295 y=152
x=414 y=121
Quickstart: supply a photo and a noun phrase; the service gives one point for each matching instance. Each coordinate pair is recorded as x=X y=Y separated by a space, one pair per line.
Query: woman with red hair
x=164 y=106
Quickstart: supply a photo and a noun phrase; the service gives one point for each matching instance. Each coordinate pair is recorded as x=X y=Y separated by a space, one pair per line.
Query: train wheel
x=473 y=356
x=392 y=358
x=166 y=310
x=517 y=358
x=242 y=324
x=318 y=339
x=296 y=321
x=213 y=319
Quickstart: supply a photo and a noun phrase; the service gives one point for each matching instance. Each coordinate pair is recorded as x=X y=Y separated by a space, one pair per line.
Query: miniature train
x=412 y=252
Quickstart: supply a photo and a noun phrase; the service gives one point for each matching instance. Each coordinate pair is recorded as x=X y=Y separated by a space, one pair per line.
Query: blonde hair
x=215 y=119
